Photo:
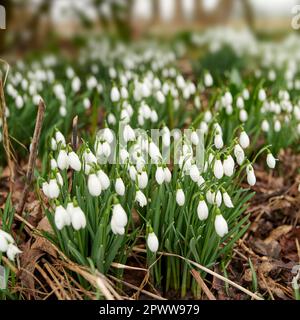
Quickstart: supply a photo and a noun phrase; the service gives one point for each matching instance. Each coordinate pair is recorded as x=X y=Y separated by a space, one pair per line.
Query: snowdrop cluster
x=8 y=245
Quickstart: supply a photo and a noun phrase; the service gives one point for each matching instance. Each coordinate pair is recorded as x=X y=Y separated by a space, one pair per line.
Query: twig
x=6 y=141
x=203 y=285
x=33 y=154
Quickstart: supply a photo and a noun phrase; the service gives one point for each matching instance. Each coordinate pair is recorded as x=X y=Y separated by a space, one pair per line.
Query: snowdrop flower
x=63 y=111
x=128 y=133
x=218 y=169
x=240 y=103
x=202 y=210
x=271 y=161
x=86 y=103
x=61 y=217
x=227 y=200
x=217 y=198
x=52 y=189
x=251 y=179
x=154 y=116
x=265 y=126
x=78 y=219
x=167 y=175
x=228 y=166
x=152 y=242
x=111 y=119
x=63 y=160
x=160 y=97
x=195 y=138
x=239 y=154
x=19 y=102
x=132 y=173
x=104 y=180
x=94 y=185
x=194 y=173
x=5 y=240
x=140 y=198
x=114 y=94
x=200 y=181
x=154 y=152
x=262 y=95
x=120 y=187
x=180 y=197
x=244 y=140
x=209 y=197
x=142 y=180
x=277 y=126
x=74 y=161
x=53 y=164
x=119 y=220
x=76 y=84
x=60 y=139
x=243 y=115
x=218 y=141
x=246 y=94
x=59 y=179
x=221 y=226
x=208 y=80
x=45 y=188
x=12 y=251
x=159 y=175
x=227 y=98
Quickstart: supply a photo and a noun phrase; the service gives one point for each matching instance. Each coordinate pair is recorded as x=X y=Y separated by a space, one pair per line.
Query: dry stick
x=203 y=285
x=33 y=154
x=6 y=141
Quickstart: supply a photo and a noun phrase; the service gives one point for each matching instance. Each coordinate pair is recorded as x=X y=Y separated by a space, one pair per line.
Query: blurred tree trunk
x=249 y=14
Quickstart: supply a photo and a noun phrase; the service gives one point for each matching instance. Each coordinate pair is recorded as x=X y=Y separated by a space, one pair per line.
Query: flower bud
x=202 y=210
x=180 y=197
x=218 y=169
x=120 y=187
x=94 y=185
x=74 y=161
x=152 y=242
x=244 y=140
x=271 y=161
x=63 y=160
x=221 y=226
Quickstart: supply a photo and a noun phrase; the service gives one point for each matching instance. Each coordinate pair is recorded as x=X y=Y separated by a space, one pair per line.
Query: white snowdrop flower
x=70 y=73
x=262 y=95
x=112 y=72
x=12 y=251
x=195 y=138
x=74 y=161
x=203 y=127
x=53 y=144
x=124 y=93
x=45 y=189
x=251 y=179
x=180 y=197
x=156 y=84
x=60 y=139
x=200 y=181
x=197 y=102
x=209 y=196
x=194 y=173
x=91 y=83
x=239 y=154
x=160 y=97
x=218 y=141
x=78 y=219
x=244 y=140
x=86 y=103
x=207 y=116
x=53 y=189
x=167 y=175
x=180 y=81
x=240 y=103
x=246 y=94
x=115 y=94
x=218 y=169
x=124 y=155
x=63 y=111
x=53 y=164
x=59 y=179
x=217 y=198
x=36 y=99
x=19 y=102
x=227 y=200
x=271 y=161
x=154 y=152
x=63 y=160
x=277 y=126
x=152 y=242
x=228 y=98
x=159 y=175
x=265 y=126
x=140 y=198
x=228 y=166
x=104 y=180
x=202 y=210
x=132 y=173
x=61 y=217
x=94 y=185
x=243 y=115
x=208 y=80
x=119 y=219
x=120 y=187
x=128 y=133
x=5 y=240
x=111 y=119
x=76 y=84
x=221 y=226
x=142 y=180
x=166 y=139
x=154 y=116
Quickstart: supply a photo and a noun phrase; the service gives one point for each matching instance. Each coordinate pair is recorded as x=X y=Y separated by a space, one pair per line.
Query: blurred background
x=34 y=24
